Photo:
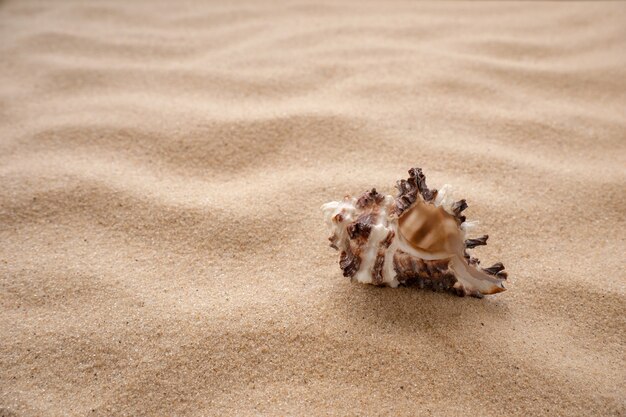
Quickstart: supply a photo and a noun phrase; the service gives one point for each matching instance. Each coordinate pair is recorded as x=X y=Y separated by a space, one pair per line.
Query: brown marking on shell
x=497 y=269
x=409 y=189
x=409 y=267
x=494 y=269
x=369 y=198
x=417 y=177
x=377 y=270
x=349 y=263
x=457 y=208
x=479 y=241
x=435 y=275
x=362 y=226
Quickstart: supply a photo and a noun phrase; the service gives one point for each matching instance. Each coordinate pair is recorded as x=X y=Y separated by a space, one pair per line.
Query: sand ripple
x=162 y=165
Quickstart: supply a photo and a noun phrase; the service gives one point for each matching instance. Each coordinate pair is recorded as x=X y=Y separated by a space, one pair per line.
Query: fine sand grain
x=162 y=165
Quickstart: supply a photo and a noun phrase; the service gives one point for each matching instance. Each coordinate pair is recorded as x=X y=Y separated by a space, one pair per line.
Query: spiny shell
x=417 y=237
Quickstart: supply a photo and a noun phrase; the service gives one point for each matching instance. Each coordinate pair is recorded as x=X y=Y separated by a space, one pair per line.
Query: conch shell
x=417 y=237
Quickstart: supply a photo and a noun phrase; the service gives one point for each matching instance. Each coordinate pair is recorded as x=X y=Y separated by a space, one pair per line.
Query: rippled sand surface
x=162 y=165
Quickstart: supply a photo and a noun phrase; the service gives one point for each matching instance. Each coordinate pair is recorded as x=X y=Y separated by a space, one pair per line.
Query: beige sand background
x=162 y=165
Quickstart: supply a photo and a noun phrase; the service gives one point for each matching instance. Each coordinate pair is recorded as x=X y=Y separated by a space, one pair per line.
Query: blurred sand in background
x=162 y=165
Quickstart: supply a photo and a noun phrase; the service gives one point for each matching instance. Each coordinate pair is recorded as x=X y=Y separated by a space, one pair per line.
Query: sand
x=162 y=166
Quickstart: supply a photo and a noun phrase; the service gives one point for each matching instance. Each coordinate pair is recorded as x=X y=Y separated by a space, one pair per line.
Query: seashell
x=418 y=237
